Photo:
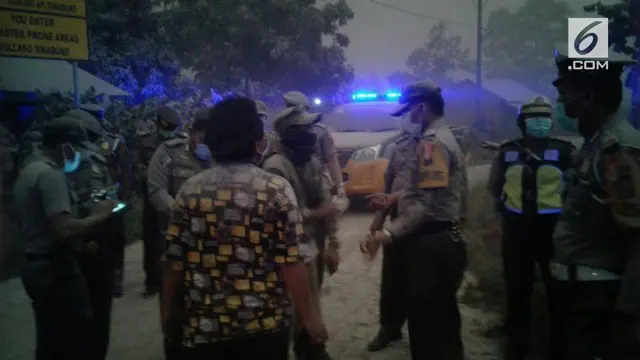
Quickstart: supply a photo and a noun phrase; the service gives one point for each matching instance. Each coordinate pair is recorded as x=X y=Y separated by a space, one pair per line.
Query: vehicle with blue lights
x=365 y=135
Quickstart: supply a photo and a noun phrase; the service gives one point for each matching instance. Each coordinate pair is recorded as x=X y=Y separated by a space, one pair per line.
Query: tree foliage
x=435 y=59
x=126 y=49
x=519 y=44
x=624 y=36
x=265 y=44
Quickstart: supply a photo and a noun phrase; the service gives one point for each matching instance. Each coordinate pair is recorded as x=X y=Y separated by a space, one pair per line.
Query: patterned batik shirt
x=239 y=225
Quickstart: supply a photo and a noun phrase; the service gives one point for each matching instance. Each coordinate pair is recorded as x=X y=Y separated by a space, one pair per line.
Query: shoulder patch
x=433 y=169
x=175 y=142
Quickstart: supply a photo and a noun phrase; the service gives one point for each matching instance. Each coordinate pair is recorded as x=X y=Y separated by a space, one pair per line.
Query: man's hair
x=606 y=89
x=233 y=129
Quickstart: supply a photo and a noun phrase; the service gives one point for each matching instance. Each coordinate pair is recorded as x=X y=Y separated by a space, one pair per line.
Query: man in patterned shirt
x=236 y=250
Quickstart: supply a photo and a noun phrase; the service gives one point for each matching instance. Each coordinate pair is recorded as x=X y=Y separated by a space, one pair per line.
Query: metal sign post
x=76 y=90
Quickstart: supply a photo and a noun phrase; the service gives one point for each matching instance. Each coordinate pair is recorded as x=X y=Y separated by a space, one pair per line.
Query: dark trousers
x=152 y=246
x=435 y=267
x=61 y=306
x=524 y=247
x=320 y=237
x=590 y=323
x=393 y=291
x=98 y=271
x=267 y=346
x=172 y=341
x=118 y=245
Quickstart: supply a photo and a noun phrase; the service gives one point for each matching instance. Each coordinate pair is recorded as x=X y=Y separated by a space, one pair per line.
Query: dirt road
x=350 y=302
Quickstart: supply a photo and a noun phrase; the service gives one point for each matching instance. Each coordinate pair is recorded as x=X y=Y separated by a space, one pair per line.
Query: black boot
x=384 y=338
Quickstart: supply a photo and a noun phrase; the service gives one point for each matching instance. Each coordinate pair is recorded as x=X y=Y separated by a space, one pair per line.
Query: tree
x=399 y=79
x=126 y=49
x=246 y=44
x=437 y=57
x=519 y=45
x=624 y=25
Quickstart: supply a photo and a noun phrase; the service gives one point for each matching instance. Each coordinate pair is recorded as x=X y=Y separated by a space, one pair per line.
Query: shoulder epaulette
x=561 y=140
x=175 y=142
x=98 y=157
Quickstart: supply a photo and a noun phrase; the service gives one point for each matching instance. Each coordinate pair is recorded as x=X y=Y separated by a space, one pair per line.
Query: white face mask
x=410 y=127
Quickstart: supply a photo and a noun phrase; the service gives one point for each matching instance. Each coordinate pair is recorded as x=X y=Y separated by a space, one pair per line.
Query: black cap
x=417 y=93
x=66 y=129
x=567 y=71
x=168 y=118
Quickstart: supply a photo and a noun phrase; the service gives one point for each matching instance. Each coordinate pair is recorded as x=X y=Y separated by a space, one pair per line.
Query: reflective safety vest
x=533 y=182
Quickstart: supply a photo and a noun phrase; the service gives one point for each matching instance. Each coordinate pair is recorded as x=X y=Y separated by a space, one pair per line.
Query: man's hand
x=104 y=209
x=317 y=331
x=332 y=259
x=382 y=201
x=372 y=244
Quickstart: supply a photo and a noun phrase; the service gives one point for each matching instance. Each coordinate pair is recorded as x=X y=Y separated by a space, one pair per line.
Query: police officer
x=596 y=244
x=328 y=154
x=167 y=125
x=102 y=245
x=525 y=181
x=48 y=215
x=295 y=162
x=172 y=164
x=428 y=225
x=113 y=148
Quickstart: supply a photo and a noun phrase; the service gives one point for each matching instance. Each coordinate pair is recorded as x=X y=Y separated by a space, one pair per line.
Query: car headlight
x=367 y=154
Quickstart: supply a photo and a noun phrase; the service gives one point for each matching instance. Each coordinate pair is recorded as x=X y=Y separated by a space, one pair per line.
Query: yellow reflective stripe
x=549 y=180
x=512 y=189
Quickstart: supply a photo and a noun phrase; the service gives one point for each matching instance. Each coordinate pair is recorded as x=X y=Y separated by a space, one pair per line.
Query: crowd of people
x=240 y=226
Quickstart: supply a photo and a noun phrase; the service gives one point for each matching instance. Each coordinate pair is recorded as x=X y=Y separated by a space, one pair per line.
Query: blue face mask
x=202 y=152
x=72 y=165
x=565 y=122
x=538 y=127
x=409 y=127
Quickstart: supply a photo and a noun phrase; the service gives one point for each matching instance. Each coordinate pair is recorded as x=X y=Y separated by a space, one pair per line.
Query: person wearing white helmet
x=526 y=182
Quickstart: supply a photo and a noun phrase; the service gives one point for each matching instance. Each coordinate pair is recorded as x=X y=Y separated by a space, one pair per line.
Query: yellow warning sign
x=75 y=8
x=25 y=34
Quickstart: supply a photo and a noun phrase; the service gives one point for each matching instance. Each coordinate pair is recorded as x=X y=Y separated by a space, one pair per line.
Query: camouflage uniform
x=526 y=180
x=596 y=245
x=327 y=153
x=428 y=229
x=172 y=164
x=312 y=191
x=147 y=144
x=101 y=247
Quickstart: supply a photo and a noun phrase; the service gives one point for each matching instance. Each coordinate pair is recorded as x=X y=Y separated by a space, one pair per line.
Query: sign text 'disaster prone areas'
x=74 y=8
x=26 y=34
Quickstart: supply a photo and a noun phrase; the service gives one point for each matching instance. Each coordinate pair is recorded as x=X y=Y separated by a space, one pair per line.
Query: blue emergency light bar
x=368 y=96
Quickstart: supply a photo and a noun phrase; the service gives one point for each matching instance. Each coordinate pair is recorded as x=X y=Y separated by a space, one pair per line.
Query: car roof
x=362 y=116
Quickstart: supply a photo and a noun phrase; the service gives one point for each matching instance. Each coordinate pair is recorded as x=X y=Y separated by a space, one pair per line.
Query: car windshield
x=362 y=117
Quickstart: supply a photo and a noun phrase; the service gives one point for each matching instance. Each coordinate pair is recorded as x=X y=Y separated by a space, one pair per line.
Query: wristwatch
x=388 y=234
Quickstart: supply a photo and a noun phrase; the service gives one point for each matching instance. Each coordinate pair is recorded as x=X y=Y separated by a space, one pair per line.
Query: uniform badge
x=511 y=156
x=427 y=156
x=552 y=155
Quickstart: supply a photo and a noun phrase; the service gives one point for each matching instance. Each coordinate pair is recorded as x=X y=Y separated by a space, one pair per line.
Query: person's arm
x=330 y=154
x=158 y=182
x=330 y=222
x=56 y=203
x=389 y=175
x=421 y=197
x=621 y=169
x=173 y=260
x=291 y=253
